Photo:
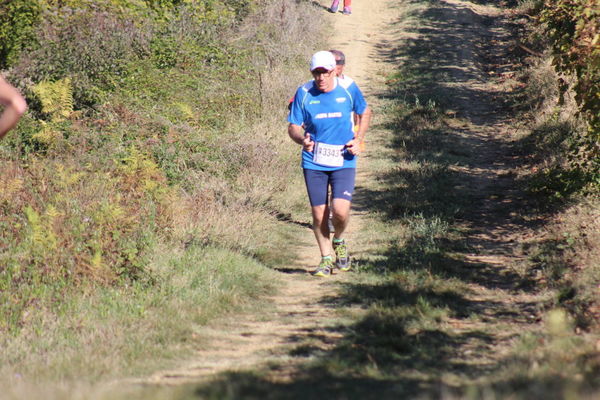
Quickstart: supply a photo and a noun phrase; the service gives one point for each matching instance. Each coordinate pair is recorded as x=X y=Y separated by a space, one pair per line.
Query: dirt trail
x=475 y=56
x=296 y=314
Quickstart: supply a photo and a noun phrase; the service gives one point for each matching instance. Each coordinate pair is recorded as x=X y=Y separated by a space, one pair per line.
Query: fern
x=47 y=135
x=56 y=98
x=186 y=112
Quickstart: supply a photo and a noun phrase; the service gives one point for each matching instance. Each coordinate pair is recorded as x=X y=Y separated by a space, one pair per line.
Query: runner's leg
x=347 y=7
x=341 y=216
x=320 y=216
x=334 y=6
x=342 y=186
x=316 y=186
x=342 y=183
x=330 y=206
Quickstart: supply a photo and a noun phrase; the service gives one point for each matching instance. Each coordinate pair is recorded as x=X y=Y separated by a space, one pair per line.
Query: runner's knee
x=318 y=214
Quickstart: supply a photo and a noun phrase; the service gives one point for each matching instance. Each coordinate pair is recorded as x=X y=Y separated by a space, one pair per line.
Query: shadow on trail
x=453 y=45
x=301 y=271
x=319 y=5
x=315 y=385
x=286 y=217
x=380 y=357
x=448 y=168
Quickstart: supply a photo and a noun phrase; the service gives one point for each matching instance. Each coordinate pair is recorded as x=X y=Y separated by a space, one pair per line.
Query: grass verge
x=105 y=333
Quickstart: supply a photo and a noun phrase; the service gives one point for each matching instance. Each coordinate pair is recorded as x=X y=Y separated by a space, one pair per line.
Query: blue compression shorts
x=341 y=181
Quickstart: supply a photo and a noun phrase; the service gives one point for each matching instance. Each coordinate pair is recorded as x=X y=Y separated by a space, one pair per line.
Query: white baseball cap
x=322 y=59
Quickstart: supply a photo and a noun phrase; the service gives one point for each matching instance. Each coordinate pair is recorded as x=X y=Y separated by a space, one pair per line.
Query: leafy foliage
x=17 y=28
x=93 y=48
x=574 y=29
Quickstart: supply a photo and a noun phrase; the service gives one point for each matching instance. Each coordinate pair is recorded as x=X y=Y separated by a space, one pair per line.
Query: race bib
x=329 y=155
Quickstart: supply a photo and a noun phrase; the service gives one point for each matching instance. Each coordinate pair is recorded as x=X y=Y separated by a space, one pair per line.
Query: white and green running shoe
x=325 y=267
x=342 y=258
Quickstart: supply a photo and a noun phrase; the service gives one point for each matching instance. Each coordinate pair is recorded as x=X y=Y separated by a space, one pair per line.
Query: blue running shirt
x=327 y=117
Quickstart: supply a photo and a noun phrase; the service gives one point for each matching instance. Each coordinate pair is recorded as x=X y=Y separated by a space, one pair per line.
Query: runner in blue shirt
x=321 y=120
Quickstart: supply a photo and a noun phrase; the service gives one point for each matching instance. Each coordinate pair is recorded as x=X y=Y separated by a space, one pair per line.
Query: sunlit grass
x=83 y=336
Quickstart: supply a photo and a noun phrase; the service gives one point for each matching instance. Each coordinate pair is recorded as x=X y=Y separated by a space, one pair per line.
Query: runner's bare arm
x=357 y=144
x=363 y=121
x=298 y=135
x=14 y=106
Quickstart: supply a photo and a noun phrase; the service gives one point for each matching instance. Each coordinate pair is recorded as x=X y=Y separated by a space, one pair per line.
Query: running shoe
x=347 y=11
x=334 y=6
x=324 y=269
x=342 y=259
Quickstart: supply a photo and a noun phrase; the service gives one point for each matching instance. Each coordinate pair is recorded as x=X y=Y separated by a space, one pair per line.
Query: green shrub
x=574 y=30
x=93 y=48
x=18 y=20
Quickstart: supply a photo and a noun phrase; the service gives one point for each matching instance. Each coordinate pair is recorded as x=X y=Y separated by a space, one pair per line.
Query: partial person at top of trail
x=321 y=120
x=340 y=63
x=347 y=10
x=14 y=106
